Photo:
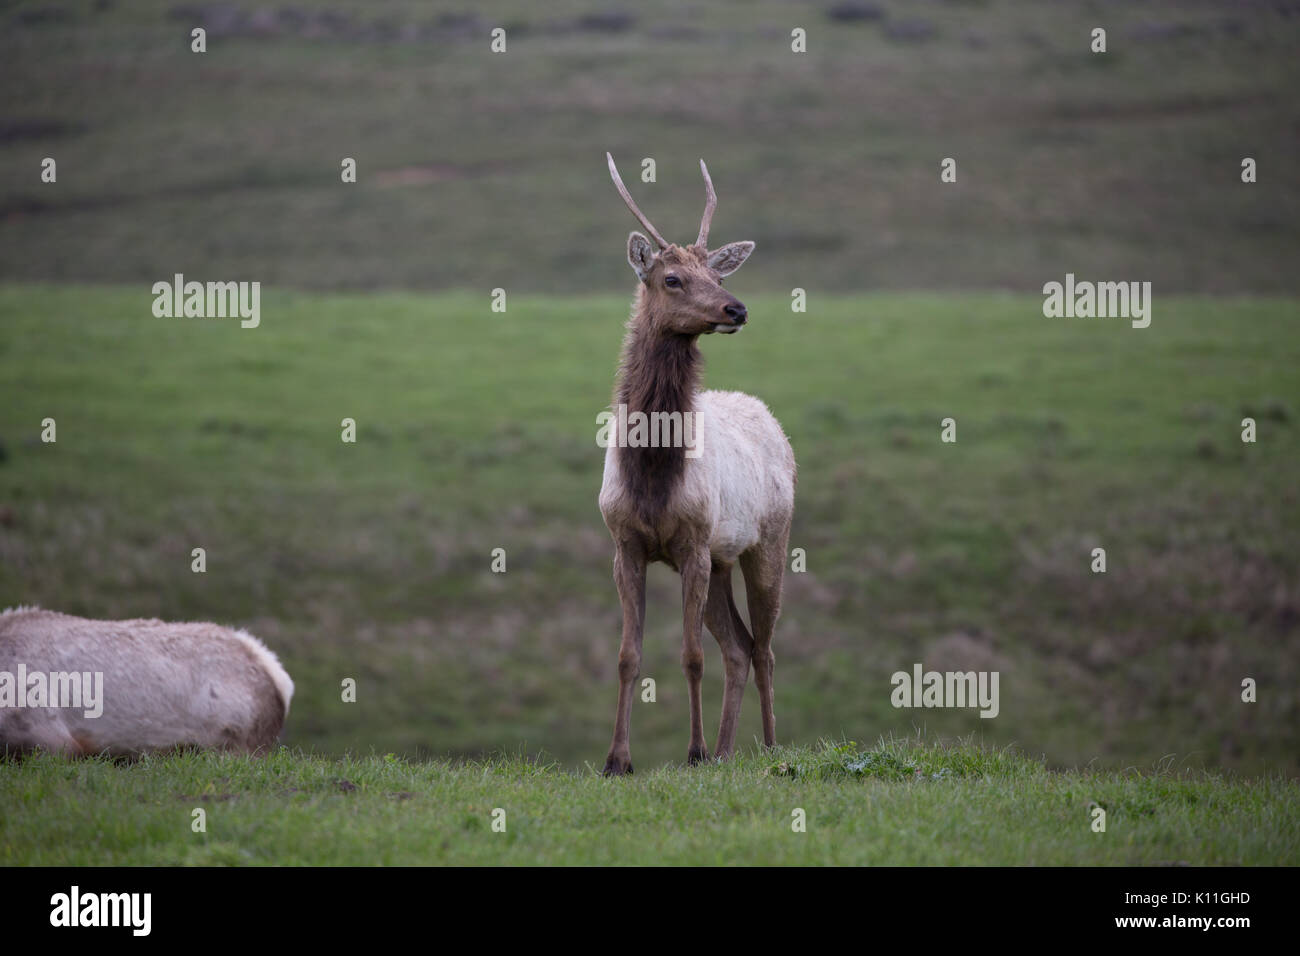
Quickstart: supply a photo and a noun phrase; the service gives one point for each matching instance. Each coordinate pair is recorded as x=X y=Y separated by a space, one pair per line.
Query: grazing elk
x=731 y=499
x=135 y=686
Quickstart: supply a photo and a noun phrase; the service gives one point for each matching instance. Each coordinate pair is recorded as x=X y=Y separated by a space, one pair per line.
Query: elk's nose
x=737 y=312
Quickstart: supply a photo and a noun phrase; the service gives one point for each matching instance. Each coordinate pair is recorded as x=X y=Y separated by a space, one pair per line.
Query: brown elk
x=730 y=500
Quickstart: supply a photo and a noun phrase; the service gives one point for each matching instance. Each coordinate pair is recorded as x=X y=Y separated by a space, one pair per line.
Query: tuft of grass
x=902 y=758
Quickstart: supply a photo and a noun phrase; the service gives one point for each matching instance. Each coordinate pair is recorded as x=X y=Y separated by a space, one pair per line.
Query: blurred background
x=479 y=169
x=476 y=429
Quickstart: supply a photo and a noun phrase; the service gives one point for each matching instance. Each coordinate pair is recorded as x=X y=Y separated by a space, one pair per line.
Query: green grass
x=902 y=802
x=476 y=430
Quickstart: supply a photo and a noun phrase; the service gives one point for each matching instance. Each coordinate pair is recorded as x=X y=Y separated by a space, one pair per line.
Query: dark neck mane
x=658 y=372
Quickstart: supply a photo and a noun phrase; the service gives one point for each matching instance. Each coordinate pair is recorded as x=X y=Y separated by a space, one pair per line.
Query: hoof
x=695 y=757
x=616 y=768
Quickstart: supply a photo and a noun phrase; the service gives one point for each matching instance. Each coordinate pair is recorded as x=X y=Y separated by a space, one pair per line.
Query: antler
x=710 y=204
x=627 y=198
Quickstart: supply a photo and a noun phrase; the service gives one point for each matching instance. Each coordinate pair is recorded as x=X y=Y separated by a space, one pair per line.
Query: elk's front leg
x=695 y=593
x=629 y=576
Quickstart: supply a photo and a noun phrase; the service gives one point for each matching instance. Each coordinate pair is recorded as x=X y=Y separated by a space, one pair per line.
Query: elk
x=731 y=500
x=135 y=686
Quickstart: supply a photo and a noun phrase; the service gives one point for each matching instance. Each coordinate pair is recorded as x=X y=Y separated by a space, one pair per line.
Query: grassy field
x=899 y=803
x=476 y=430
x=478 y=170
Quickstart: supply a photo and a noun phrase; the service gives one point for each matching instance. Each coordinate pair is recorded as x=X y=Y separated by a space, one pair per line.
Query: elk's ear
x=640 y=255
x=727 y=259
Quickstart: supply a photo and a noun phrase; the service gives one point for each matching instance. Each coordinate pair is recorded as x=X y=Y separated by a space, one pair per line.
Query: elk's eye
x=672 y=282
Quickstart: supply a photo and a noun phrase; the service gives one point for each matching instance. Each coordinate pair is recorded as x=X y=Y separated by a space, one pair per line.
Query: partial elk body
x=143 y=686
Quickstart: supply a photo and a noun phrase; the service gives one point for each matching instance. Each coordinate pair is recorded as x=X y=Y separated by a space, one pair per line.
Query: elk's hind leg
x=764 y=568
x=725 y=624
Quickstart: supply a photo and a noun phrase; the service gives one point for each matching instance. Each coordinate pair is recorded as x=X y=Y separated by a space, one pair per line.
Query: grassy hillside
x=476 y=430
x=478 y=170
x=899 y=803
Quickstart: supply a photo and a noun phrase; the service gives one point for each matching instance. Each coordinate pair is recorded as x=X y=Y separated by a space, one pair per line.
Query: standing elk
x=731 y=499
x=156 y=686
